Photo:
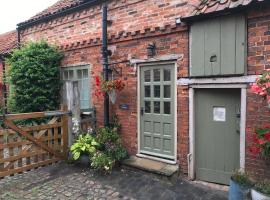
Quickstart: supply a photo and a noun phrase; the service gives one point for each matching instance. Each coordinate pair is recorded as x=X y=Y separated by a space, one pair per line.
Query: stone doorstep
x=152 y=166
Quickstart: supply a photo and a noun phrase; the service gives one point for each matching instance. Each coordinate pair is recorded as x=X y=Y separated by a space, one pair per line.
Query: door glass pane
x=156 y=75
x=147 y=106
x=147 y=91
x=147 y=77
x=157 y=107
x=167 y=91
x=157 y=91
x=167 y=108
x=167 y=75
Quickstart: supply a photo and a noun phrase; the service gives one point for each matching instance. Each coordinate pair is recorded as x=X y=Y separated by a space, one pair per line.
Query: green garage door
x=217 y=130
x=157 y=110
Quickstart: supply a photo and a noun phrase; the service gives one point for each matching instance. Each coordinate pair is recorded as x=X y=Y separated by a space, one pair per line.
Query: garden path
x=69 y=182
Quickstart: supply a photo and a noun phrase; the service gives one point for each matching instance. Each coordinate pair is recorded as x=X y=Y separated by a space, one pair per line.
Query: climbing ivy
x=35 y=77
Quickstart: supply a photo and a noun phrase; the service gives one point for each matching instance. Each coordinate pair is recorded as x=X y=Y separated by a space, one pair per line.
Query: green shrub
x=102 y=162
x=111 y=143
x=242 y=179
x=104 y=149
x=263 y=187
x=106 y=135
x=85 y=144
x=35 y=77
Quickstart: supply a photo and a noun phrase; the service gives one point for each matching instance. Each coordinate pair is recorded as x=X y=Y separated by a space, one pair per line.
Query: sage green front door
x=217 y=134
x=157 y=109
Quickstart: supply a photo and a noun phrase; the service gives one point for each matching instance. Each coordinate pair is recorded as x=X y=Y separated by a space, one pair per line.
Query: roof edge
x=58 y=14
x=226 y=11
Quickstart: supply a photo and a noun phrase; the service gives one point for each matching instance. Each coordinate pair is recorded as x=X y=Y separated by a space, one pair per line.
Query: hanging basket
x=112 y=96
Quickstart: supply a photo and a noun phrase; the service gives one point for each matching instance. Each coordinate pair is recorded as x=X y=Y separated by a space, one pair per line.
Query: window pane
x=157 y=107
x=167 y=108
x=70 y=75
x=65 y=75
x=156 y=75
x=167 y=75
x=79 y=74
x=85 y=73
x=147 y=91
x=147 y=106
x=147 y=76
x=167 y=91
x=157 y=91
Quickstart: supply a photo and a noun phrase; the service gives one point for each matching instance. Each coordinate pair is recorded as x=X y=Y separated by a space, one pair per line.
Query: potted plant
x=240 y=185
x=261 y=191
x=111 y=87
x=84 y=147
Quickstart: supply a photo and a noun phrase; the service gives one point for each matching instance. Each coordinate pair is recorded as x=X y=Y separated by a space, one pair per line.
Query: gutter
x=58 y=14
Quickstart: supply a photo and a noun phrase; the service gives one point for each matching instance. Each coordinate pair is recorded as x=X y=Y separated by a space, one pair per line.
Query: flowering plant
x=108 y=86
x=262 y=85
x=261 y=142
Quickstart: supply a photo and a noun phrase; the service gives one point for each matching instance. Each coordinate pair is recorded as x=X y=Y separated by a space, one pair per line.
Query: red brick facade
x=258 y=60
x=135 y=24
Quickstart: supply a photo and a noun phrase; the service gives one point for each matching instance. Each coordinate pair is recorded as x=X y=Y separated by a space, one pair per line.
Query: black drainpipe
x=105 y=62
x=18 y=37
x=4 y=89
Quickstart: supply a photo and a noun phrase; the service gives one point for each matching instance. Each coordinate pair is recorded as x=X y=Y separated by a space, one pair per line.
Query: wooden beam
x=28 y=167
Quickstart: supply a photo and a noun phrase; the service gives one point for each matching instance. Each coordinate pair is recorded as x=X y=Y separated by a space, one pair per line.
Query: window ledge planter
x=237 y=191
x=256 y=195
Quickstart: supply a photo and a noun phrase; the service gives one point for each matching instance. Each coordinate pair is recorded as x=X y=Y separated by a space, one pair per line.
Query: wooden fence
x=24 y=148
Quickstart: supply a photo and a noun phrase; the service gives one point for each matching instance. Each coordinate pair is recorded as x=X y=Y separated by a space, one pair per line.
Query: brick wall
x=258 y=113
x=174 y=43
x=1 y=82
x=135 y=24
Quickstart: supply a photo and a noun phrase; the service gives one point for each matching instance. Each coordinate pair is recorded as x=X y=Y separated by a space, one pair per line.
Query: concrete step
x=152 y=166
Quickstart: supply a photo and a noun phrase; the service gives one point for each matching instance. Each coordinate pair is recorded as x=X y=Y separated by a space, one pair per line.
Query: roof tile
x=8 y=42
x=210 y=6
x=58 y=7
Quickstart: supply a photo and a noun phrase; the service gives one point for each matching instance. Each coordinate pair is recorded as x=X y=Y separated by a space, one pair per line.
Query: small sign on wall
x=219 y=114
x=124 y=107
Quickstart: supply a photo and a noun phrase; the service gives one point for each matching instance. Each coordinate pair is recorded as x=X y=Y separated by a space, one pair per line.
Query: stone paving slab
x=69 y=182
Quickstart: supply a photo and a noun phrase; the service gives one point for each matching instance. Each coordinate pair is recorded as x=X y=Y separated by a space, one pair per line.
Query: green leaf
x=76 y=155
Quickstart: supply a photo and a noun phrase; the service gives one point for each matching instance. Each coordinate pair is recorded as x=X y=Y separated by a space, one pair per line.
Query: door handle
x=142 y=111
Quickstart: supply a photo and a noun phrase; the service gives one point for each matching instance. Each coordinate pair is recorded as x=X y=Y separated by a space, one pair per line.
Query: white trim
x=138 y=66
x=191 y=156
x=243 y=128
x=220 y=80
x=220 y=86
x=156 y=159
x=166 y=58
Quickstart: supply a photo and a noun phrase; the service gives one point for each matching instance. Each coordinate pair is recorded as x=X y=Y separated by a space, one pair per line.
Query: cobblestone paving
x=69 y=182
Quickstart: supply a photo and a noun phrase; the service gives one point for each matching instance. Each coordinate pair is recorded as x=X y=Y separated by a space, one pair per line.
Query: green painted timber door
x=157 y=110
x=217 y=134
